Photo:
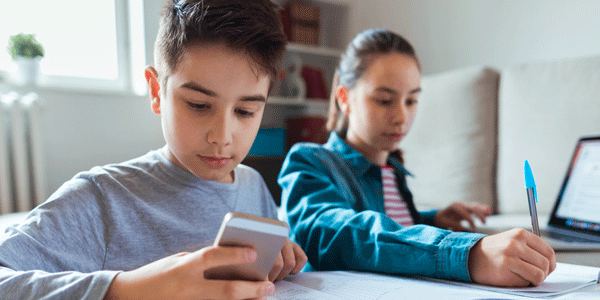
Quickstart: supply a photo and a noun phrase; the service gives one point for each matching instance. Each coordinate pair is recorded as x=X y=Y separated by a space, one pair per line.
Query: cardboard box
x=301 y=22
x=304 y=35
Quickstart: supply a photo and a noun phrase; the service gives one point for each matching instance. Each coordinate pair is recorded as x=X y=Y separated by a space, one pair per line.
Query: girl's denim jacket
x=332 y=196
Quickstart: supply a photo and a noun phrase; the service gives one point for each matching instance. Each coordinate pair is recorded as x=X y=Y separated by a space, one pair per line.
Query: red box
x=306 y=129
x=315 y=83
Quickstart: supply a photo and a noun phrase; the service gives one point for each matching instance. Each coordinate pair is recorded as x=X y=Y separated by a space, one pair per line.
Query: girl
x=347 y=201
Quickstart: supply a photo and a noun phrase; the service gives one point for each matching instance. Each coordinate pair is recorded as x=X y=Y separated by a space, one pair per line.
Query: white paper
x=365 y=286
x=565 y=278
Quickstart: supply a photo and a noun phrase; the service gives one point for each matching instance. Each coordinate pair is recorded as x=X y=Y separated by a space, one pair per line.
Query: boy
x=155 y=216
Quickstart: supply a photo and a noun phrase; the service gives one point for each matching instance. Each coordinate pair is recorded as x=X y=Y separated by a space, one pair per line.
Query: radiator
x=22 y=172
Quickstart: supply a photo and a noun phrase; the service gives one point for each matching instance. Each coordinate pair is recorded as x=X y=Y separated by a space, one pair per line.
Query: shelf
x=301 y=102
x=308 y=106
x=314 y=50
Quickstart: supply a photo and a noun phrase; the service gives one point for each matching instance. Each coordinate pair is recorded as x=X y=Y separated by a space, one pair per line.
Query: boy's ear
x=154 y=87
x=341 y=94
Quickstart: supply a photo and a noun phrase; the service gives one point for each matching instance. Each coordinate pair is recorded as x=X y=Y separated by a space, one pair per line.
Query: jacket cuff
x=452 y=260
x=427 y=216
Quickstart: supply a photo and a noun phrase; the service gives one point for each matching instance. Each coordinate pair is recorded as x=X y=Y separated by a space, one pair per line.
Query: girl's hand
x=181 y=276
x=451 y=216
x=290 y=261
x=512 y=258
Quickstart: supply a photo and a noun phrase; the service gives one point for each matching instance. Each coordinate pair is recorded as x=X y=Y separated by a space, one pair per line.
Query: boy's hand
x=513 y=258
x=181 y=276
x=451 y=216
x=290 y=261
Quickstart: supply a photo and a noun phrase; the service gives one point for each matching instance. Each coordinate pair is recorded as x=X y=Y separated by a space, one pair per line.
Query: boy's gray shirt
x=116 y=218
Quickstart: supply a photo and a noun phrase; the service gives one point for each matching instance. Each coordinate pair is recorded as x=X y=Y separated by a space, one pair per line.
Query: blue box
x=269 y=142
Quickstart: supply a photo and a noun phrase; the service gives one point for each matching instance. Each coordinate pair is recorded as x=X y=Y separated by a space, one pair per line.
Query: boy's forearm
x=44 y=285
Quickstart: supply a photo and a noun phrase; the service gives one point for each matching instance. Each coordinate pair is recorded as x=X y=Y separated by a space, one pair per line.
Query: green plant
x=24 y=45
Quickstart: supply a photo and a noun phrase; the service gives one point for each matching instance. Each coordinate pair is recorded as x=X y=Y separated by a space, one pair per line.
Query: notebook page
x=366 y=286
x=565 y=279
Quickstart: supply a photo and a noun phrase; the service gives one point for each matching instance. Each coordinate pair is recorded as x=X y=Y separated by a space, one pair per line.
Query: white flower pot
x=29 y=69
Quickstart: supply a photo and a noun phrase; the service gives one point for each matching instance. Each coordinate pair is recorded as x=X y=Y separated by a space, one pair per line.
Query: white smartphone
x=267 y=236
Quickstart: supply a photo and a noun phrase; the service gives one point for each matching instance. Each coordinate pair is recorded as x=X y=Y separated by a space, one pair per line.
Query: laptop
x=574 y=223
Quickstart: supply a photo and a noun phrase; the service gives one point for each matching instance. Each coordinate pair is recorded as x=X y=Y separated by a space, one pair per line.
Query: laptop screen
x=578 y=203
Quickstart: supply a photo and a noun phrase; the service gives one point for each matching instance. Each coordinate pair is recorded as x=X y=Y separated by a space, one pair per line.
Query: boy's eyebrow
x=392 y=91
x=198 y=88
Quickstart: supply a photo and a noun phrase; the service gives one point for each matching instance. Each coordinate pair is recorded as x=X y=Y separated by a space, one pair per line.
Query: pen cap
x=529 y=181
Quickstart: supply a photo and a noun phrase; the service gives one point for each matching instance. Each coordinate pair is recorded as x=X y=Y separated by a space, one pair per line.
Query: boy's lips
x=214 y=161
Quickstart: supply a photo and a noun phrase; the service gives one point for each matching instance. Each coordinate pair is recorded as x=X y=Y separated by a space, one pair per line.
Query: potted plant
x=26 y=52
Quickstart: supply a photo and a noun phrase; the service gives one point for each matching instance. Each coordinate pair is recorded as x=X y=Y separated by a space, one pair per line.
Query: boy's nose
x=220 y=134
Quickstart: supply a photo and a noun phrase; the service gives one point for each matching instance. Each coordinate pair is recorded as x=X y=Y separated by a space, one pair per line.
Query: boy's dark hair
x=355 y=61
x=251 y=26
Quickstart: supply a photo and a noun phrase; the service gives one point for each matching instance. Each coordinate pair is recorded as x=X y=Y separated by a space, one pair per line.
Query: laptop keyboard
x=565 y=238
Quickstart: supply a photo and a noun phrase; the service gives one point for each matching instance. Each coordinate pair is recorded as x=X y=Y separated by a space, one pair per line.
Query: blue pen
x=532 y=198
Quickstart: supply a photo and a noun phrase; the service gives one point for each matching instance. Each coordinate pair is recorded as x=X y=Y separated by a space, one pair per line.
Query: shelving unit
x=308 y=106
x=314 y=50
x=333 y=37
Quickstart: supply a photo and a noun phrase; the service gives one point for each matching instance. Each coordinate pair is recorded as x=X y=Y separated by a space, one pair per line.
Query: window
x=86 y=42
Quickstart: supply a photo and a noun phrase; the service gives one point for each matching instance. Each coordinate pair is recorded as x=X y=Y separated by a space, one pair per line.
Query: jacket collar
x=358 y=162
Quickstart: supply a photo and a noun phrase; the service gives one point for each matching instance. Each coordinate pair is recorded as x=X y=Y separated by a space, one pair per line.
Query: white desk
x=499 y=223
x=10 y=219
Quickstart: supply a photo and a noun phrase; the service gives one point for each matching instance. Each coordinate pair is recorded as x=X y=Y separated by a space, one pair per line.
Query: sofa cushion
x=544 y=107
x=451 y=148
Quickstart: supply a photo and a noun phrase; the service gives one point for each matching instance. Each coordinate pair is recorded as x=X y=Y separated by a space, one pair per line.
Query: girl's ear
x=342 y=99
x=154 y=87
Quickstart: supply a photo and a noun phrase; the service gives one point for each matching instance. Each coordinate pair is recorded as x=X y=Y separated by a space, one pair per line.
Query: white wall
x=85 y=130
x=449 y=34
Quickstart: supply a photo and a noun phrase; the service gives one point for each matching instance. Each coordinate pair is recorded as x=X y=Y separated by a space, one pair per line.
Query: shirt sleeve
x=60 y=285
x=337 y=237
x=58 y=251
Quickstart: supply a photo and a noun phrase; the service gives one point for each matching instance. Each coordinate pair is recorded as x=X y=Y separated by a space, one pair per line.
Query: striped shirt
x=395 y=207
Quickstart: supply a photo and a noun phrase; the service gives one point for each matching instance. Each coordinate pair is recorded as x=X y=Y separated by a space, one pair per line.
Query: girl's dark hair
x=251 y=26
x=354 y=61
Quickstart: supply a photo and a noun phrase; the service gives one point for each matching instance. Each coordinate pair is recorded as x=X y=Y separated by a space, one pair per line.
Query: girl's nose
x=399 y=114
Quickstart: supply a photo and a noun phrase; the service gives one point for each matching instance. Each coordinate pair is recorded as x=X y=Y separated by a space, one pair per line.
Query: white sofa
x=476 y=126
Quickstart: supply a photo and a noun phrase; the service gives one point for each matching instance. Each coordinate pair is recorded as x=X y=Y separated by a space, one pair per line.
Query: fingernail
x=270 y=288
x=250 y=255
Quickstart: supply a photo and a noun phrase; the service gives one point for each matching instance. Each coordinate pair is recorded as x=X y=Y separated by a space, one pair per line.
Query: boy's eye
x=244 y=113
x=197 y=106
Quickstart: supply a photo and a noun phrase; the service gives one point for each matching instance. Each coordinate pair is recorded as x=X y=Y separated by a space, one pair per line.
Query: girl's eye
x=197 y=106
x=244 y=113
x=411 y=102
x=384 y=102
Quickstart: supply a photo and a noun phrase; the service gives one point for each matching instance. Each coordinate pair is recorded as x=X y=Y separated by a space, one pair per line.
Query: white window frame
x=131 y=57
